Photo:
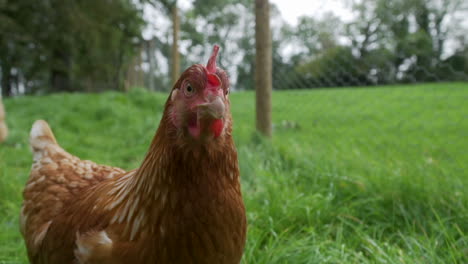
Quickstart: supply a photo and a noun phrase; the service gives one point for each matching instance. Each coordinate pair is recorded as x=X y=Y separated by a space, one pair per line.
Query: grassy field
x=370 y=175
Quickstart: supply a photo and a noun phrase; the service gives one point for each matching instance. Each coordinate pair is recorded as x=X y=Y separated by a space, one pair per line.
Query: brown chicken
x=3 y=126
x=182 y=205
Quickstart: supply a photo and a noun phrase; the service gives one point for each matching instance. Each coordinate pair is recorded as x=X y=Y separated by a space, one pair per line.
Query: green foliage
x=331 y=66
x=317 y=35
x=374 y=175
x=391 y=41
x=106 y=43
x=67 y=45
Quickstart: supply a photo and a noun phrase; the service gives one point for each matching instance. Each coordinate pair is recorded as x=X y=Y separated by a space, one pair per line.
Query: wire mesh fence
x=376 y=42
x=384 y=42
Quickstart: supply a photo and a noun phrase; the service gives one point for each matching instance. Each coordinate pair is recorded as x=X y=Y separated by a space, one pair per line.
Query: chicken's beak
x=212 y=114
x=214 y=109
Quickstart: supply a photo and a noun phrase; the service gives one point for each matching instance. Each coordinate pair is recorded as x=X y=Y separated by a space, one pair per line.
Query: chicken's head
x=198 y=105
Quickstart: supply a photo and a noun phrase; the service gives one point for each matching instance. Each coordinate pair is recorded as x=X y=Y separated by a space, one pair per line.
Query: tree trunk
x=135 y=74
x=175 y=71
x=60 y=71
x=150 y=56
x=263 y=66
x=6 y=80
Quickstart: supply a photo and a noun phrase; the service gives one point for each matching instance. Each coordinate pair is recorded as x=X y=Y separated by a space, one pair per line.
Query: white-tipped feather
x=41 y=136
x=88 y=244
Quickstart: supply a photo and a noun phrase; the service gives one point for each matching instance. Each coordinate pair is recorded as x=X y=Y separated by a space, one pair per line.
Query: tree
x=67 y=45
x=311 y=39
x=417 y=31
x=171 y=9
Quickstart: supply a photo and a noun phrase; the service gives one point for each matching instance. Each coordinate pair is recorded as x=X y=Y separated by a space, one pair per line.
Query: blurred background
x=361 y=107
x=50 y=46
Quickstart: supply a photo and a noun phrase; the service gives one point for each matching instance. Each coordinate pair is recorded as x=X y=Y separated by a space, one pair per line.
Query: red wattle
x=217 y=127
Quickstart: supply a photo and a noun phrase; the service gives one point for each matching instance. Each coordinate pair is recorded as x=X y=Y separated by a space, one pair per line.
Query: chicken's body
x=183 y=205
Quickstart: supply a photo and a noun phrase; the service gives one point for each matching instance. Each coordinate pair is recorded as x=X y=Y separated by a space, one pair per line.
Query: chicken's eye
x=189 y=90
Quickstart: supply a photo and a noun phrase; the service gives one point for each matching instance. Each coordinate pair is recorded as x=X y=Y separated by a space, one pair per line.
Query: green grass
x=369 y=175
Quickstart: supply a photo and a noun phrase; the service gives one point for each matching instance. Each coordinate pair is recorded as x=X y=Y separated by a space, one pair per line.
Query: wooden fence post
x=3 y=126
x=263 y=66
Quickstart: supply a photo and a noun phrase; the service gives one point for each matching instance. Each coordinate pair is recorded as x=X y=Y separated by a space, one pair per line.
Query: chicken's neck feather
x=171 y=174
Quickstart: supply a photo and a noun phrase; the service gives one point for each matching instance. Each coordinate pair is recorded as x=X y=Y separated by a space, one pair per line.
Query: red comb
x=211 y=65
x=213 y=79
